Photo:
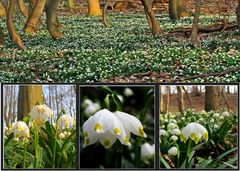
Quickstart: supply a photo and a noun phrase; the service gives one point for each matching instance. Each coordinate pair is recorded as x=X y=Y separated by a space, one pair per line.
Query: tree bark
x=33 y=19
x=52 y=22
x=28 y=97
x=2 y=10
x=238 y=14
x=94 y=8
x=161 y=100
x=11 y=29
x=211 y=98
x=166 y=106
x=177 y=9
x=153 y=23
x=173 y=15
x=23 y=8
x=194 y=35
x=180 y=99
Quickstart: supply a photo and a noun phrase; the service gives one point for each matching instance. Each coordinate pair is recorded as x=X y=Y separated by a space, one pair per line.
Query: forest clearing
x=126 y=50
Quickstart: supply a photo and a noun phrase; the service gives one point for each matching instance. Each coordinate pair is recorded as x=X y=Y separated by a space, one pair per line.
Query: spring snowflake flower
x=128 y=92
x=216 y=115
x=172 y=126
x=173 y=151
x=120 y=98
x=147 y=151
x=176 y=131
x=174 y=138
x=107 y=127
x=195 y=131
x=66 y=121
x=212 y=120
x=162 y=132
x=225 y=114
x=173 y=121
x=215 y=126
x=40 y=113
x=21 y=130
x=61 y=135
x=221 y=117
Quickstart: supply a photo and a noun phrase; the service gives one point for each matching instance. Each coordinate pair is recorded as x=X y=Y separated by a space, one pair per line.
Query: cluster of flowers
x=38 y=116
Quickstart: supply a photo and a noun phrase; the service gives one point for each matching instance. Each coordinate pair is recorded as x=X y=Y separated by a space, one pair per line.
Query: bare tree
x=211 y=98
x=194 y=32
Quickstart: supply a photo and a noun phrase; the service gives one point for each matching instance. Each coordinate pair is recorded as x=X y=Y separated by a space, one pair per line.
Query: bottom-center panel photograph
x=117 y=126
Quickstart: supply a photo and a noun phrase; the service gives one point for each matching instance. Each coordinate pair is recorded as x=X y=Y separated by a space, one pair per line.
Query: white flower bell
x=195 y=131
x=66 y=121
x=174 y=138
x=173 y=151
x=40 y=113
x=176 y=131
x=225 y=114
x=147 y=151
x=21 y=130
x=128 y=92
x=216 y=115
x=172 y=126
x=106 y=127
x=162 y=132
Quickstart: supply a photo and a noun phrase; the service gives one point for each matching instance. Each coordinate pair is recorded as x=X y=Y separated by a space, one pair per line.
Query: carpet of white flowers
x=89 y=52
x=199 y=139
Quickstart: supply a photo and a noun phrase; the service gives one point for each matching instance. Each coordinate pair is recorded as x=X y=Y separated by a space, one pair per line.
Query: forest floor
x=198 y=102
x=126 y=51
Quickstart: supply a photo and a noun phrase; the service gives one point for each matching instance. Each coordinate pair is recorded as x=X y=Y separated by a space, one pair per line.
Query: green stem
x=118 y=163
x=36 y=138
x=137 y=153
x=188 y=150
x=54 y=147
x=24 y=155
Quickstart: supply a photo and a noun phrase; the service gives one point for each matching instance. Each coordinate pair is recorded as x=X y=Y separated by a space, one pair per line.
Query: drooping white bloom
x=66 y=121
x=128 y=92
x=162 y=132
x=173 y=121
x=147 y=151
x=40 y=113
x=212 y=120
x=61 y=135
x=120 y=98
x=91 y=109
x=172 y=126
x=183 y=118
x=221 y=117
x=21 y=130
x=225 y=114
x=173 y=151
x=216 y=115
x=176 y=131
x=174 y=138
x=106 y=127
x=215 y=126
x=165 y=120
x=195 y=131
x=87 y=102
x=201 y=120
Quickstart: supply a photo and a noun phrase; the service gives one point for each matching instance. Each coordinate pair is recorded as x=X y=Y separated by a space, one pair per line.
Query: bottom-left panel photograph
x=39 y=126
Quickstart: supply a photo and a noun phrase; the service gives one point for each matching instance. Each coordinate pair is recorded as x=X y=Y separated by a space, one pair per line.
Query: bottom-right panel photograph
x=198 y=127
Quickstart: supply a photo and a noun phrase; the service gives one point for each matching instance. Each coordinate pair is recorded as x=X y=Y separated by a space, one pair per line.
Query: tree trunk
x=152 y=20
x=28 y=97
x=177 y=9
x=2 y=10
x=161 y=100
x=11 y=29
x=180 y=98
x=52 y=23
x=2 y=42
x=33 y=19
x=211 y=98
x=94 y=8
x=194 y=35
x=167 y=99
x=23 y=8
x=238 y=14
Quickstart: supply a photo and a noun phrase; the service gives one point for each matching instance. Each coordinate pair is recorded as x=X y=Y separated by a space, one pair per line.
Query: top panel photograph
x=120 y=41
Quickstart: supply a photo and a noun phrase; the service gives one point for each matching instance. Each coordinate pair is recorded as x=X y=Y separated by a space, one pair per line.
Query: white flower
x=195 y=131
x=40 y=113
x=225 y=113
x=201 y=120
x=66 y=121
x=174 y=138
x=120 y=98
x=162 y=132
x=173 y=121
x=165 y=120
x=128 y=92
x=106 y=127
x=61 y=136
x=87 y=102
x=216 y=115
x=172 y=126
x=173 y=151
x=215 y=126
x=147 y=151
x=21 y=130
x=92 y=108
x=221 y=117
x=212 y=120
x=176 y=131
x=183 y=118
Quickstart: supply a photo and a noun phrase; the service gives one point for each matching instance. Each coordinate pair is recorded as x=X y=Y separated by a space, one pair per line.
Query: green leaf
x=164 y=162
